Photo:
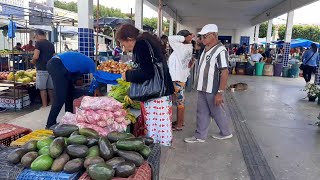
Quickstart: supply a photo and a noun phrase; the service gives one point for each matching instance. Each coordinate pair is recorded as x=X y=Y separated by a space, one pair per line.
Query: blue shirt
x=77 y=62
x=313 y=61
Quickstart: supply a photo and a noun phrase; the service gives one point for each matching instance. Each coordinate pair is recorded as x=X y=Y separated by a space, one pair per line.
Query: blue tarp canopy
x=299 y=42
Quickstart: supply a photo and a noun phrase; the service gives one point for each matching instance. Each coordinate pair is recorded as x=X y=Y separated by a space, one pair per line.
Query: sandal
x=176 y=129
x=175 y=123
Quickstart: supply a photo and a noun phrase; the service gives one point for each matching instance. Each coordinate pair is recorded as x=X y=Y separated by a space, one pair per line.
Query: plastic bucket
x=294 y=71
x=277 y=69
x=285 y=71
x=259 y=68
x=268 y=70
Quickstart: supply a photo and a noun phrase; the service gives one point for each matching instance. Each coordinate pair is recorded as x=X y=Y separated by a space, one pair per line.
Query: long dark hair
x=127 y=31
x=314 y=47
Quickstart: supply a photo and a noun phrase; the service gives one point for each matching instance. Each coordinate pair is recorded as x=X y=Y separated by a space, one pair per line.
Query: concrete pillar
x=287 y=40
x=139 y=14
x=269 y=34
x=50 y=3
x=256 y=36
x=85 y=28
x=160 y=18
x=171 y=26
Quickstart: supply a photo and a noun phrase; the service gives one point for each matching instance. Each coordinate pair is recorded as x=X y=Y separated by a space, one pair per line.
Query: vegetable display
x=73 y=154
x=114 y=67
x=120 y=93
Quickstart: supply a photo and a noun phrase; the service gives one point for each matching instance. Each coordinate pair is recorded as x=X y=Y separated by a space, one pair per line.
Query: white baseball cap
x=209 y=28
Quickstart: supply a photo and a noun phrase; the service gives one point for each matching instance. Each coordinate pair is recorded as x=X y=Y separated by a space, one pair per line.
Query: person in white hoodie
x=179 y=63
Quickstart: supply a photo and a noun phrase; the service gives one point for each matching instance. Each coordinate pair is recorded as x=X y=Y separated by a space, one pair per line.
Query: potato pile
x=114 y=67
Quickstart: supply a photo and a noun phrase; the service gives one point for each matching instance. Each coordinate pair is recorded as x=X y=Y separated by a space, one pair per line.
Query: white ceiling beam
x=167 y=10
x=279 y=9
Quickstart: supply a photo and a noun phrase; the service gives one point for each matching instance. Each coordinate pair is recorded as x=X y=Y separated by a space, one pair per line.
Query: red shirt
x=28 y=47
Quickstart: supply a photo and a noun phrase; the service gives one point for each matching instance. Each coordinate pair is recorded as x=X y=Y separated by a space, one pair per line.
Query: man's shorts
x=44 y=80
x=179 y=88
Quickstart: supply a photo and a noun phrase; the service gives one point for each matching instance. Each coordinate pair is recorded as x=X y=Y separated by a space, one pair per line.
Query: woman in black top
x=157 y=113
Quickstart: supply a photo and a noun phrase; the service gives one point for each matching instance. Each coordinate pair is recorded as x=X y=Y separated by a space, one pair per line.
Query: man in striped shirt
x=212 y=82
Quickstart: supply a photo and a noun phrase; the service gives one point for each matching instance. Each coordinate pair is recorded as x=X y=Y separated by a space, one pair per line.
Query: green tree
x=153 y=22
x=263 y=30
x=103 y=11
x=309 y=32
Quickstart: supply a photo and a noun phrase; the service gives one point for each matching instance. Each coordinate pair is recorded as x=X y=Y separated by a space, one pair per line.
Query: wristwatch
x=221 y=91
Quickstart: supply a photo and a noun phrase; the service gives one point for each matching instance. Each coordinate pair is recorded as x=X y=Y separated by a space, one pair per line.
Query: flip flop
x=175 y=123
x=176 y=129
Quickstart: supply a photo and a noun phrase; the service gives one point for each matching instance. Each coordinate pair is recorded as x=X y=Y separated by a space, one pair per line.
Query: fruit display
x=120 y=93
x=8 y=52
x=23 y=76
x=114 y=67
x=4 y=75
x=72 y=150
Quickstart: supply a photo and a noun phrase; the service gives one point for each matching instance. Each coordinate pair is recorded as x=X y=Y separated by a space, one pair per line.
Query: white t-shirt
x=256 y=57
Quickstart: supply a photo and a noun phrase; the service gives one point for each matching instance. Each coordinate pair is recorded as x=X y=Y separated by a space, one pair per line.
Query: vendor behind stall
x=256 y=57
x=64 y=69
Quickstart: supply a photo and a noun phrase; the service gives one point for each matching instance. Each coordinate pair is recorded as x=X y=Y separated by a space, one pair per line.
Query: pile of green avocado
x=72 y=150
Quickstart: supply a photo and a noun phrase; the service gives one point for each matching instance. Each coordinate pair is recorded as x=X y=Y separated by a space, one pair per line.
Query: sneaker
x=2 y=109
x=220 y=137
x=193 y=140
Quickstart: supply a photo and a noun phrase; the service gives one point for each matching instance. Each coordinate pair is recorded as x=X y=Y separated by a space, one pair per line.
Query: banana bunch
x=129 y=102
x=131 y=117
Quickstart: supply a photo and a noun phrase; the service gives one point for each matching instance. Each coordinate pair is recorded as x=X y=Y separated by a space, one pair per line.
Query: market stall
x=100 y=131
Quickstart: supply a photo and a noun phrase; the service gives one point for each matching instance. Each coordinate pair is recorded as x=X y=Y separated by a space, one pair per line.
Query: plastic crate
x=142 y=173
x=35 y=135
x=154 y=160
x=7 y=170
x=77 y=103
x=28 y=174
x=9 y=133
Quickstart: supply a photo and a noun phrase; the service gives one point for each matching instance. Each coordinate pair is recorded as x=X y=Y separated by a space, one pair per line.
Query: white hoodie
x=179 y=59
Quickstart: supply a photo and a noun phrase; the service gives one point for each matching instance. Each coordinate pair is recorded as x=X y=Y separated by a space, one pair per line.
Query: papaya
x=64 y=130
x=92 y=141
x=58 y=164
x=116 y=136
x=30 y=145
x=88 y=132
x=132 y=144
x=75 y=165
x=106 y=150
x=44 y=150
x=44 y=142
x=42 y=163
x=148 y=141
x=115 y=161
x=74 y=133
x=125 y=169
x=56 y=147
x=77 y=151
x=100 y=171
x=131 y=156
x=94 y=151
x=78 y=139
x=145 y=152
x=28 y=158
x=16 y=155
x=92 y=160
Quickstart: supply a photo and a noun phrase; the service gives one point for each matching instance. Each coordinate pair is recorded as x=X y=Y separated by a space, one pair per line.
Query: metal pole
x=60 y=39
x=131 y=17
x=160 y=18
x=97 y=39
x=13 y=58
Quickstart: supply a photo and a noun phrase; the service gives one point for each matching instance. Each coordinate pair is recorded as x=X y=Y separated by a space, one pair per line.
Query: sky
x=304 y=15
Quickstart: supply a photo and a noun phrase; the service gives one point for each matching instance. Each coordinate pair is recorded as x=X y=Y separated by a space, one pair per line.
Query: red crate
x=77 y=103
x=10 y=133
x=143 y=173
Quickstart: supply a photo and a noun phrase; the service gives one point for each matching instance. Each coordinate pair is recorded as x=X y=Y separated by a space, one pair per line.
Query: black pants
x=307 y=72
x=63 y=90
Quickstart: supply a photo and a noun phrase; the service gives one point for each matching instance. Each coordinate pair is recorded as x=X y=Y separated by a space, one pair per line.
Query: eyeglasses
x=205 y=36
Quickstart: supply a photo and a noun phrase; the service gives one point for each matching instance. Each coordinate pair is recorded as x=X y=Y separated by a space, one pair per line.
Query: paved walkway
x=10 y=114
x=283 y=125
x=275 y=136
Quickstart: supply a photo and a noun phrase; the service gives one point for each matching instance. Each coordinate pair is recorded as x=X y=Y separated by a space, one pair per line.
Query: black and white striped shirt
x=211 y=62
